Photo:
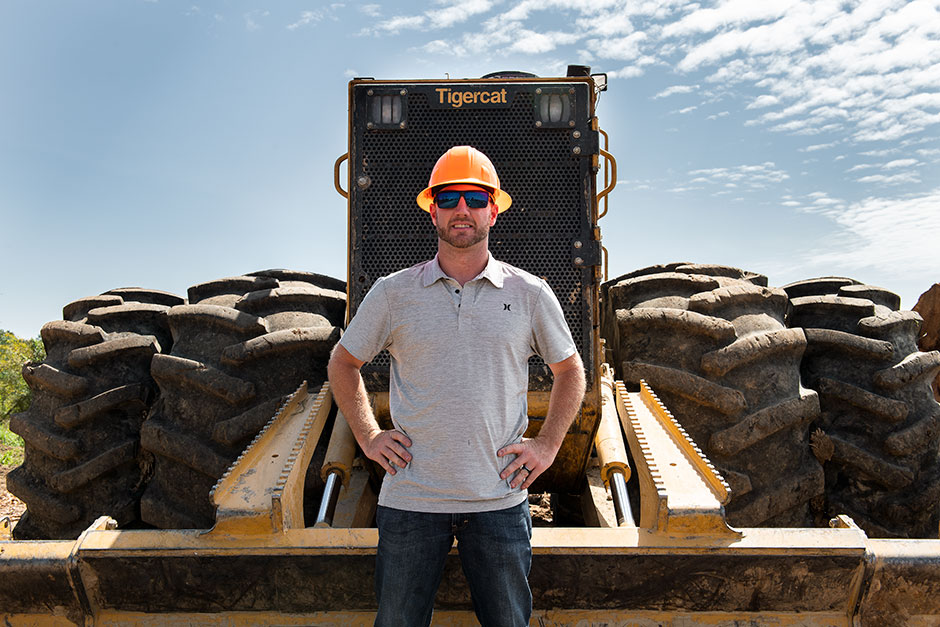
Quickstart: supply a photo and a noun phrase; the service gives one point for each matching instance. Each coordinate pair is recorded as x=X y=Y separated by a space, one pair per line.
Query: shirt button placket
x=463 y=313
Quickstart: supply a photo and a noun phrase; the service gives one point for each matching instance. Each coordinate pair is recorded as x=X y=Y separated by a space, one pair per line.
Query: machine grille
x=551 y=183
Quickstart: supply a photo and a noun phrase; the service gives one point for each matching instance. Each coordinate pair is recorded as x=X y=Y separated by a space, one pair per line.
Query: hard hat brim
x=501 y=198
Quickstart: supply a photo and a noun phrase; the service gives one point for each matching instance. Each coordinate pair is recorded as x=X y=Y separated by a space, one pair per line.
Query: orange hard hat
x=464 y=165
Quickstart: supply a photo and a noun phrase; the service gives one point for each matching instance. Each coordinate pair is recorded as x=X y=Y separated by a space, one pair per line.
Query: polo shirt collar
x=493 y=272
x=432 y=272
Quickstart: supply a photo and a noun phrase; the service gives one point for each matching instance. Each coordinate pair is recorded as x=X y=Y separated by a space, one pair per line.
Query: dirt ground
x=9 y=504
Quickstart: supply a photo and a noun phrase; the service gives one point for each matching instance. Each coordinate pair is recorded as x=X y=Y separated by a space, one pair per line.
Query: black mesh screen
x=545 y=168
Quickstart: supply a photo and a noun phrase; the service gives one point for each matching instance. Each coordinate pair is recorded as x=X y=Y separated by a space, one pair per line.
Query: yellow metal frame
x=885 y=575
x=263 y=490
x=681 y=556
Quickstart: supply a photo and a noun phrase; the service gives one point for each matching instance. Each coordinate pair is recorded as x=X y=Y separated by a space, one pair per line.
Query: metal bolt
x=571 y=90
x=576 y=134
x=403 y=92
x=402 y=125
x=570 y=122
x=578 y=244
x=538 y=123
x=370 y=125
x=576 y=150
x=538 y=90
x=578 y=261
x=363 y=181
x=370 y=92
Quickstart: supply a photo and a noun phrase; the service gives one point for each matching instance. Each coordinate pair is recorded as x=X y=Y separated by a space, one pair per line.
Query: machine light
x=387 y=110
x=554 y=108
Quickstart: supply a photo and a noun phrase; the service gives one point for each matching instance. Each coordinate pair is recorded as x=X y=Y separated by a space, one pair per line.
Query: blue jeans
x=495 y=553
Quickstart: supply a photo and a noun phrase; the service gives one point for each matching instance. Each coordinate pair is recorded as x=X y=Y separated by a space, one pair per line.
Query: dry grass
x=11 y=456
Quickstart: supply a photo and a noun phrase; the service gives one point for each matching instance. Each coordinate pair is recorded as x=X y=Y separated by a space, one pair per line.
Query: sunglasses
x=450 y=199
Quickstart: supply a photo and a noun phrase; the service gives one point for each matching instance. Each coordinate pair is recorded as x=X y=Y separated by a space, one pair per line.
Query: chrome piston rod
x=618 y=490
x=334 y=483
x=612 y=452
x=336 y=470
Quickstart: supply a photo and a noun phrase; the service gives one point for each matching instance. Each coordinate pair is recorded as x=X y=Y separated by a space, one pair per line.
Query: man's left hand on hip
x=533 y=456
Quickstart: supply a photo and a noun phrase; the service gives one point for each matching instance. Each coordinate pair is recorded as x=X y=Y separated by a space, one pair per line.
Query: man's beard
x=463 y=239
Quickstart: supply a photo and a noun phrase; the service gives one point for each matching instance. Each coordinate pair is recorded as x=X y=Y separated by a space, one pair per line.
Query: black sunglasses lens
x=476 y=200
x=447 y=200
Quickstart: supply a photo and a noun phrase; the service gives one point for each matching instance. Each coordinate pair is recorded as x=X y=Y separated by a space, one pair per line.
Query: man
x=460 y=329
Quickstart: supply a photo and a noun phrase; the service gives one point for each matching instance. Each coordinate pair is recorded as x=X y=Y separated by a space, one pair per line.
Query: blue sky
x=162 y=144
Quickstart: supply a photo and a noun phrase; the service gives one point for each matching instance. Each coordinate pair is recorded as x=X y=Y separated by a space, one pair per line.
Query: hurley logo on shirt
x=506 y=306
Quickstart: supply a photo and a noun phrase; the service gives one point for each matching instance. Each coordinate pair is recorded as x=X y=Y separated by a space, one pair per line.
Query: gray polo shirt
x=459 y=376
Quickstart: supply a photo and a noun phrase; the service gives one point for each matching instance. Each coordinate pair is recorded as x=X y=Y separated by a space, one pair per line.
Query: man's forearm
x=565 y=401
x=351 y=397
x=388 y=448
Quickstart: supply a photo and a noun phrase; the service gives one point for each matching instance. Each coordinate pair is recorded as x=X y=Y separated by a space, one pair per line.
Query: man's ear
x=494 y=211
x=433 y=211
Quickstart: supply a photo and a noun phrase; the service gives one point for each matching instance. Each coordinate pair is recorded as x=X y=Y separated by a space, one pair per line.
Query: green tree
x=14 y=353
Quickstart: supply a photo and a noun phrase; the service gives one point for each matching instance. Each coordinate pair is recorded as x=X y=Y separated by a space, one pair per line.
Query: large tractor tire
x=90 y=397
x=879 y=430
x=928 y=306
x=240 y=347
x=713 y=343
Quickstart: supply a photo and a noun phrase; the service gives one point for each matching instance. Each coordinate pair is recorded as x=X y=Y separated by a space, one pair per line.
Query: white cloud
x=899 y=232
x=676 y=89
x=859 y=63
x=305 y=18
x=606 y=24
x=396 y=24
x=619 y=48
x=816 y=147
x=371 y=10
x=893 y=179
x=628 y=71
x=899 y=163
x=441 y=47
x=734 y=11
x=457 y=12
x=763 y=101
x=880 y=153
x=523 y=10
x=313 y=17
x=252 y=17
x=751 y=177
x=819 y=203
x=531 y=42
